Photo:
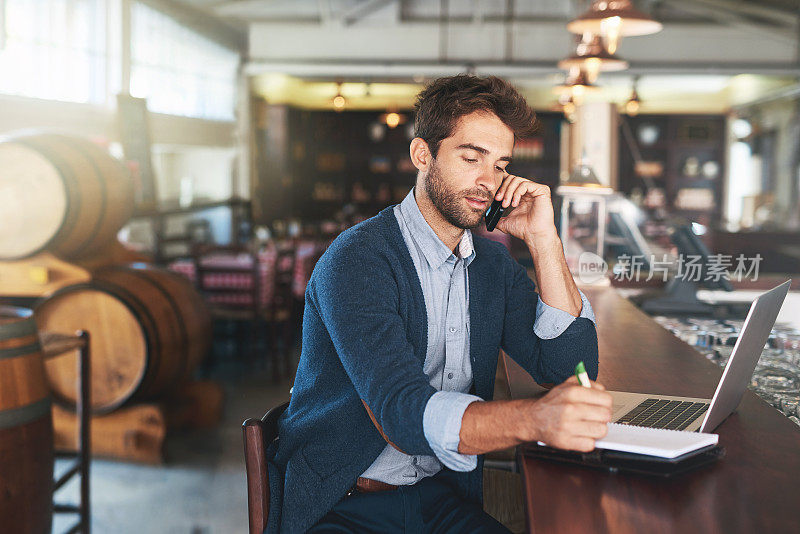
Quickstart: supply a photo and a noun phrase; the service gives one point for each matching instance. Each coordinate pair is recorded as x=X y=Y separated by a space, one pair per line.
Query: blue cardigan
x=365 y=338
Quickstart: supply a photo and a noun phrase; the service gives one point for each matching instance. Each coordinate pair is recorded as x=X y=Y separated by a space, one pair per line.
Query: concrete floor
x=200 y=489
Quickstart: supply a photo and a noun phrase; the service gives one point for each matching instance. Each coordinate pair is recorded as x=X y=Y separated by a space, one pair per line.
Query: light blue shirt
x=444 y=279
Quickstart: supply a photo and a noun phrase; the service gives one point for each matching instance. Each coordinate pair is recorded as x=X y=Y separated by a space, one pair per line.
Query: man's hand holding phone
x=532 y=220
x=532 y=217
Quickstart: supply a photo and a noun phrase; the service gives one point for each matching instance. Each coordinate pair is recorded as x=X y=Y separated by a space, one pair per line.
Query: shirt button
x=450 y=376
x=452 y=329
x=414 y=460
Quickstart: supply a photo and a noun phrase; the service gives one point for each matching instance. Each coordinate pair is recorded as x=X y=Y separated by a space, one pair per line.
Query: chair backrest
x=209 y=277
x=282 y=296
x=198 y=232
x=258 y=435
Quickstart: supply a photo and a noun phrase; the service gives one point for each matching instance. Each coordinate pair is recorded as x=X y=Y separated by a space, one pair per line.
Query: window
x=55 y=49
x=179 y=71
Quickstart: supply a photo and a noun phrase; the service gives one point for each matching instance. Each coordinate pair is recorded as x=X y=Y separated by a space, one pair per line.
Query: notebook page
x=653 y=441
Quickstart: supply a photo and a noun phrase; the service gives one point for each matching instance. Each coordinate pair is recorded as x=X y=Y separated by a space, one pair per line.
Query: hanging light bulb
x=578 y=92
x=339 y=102
x=592 y=68
x=613 y=19
x=576 y=85
x=610 y=30
x=568 y=106
x=632 y=107
x=592 y=57
x=633 y=103
x=392 y=118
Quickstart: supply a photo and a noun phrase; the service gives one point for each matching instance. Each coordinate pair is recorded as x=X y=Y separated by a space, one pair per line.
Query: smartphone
x=493 y=214
x=496 y=210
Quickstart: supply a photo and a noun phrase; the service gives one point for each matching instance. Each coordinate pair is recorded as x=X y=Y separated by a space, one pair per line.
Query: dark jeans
x=430 y=505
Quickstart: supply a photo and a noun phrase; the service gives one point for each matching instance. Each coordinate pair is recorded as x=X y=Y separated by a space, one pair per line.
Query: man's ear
x=420 y=153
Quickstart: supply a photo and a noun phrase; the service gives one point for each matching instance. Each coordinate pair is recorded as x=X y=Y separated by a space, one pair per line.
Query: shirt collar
x=434 y=250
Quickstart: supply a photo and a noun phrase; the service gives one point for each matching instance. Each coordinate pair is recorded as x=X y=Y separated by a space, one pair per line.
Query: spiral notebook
x=654 y=441
x=657 y=442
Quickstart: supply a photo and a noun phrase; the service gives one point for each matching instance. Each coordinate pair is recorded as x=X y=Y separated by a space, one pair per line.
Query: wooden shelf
x=173 y=208
x=671 y=151
x=38 y=276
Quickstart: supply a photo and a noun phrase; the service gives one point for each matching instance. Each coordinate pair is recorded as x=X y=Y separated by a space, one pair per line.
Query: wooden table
x=755 y=488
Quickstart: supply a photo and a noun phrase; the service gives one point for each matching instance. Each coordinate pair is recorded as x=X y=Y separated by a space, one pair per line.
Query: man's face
x=469 y=168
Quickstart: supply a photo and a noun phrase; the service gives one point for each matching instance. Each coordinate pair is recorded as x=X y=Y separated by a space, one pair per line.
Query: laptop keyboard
x=662 y=413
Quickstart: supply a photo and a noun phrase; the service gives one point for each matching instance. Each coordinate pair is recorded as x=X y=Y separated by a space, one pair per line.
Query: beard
x=451 y=203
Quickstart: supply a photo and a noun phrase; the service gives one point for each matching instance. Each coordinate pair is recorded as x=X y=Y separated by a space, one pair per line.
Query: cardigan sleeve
x=551 y=322
x=356 y=294
x=547 y=360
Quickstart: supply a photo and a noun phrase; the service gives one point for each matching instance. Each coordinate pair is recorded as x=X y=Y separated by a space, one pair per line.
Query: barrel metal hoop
x=20 y=351
x=24 y=414
x=26 y=326
x=184 y=331
x=98 y=225
x=139 y=310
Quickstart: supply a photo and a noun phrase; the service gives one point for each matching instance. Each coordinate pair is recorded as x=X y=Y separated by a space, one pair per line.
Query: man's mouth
x=477 y=203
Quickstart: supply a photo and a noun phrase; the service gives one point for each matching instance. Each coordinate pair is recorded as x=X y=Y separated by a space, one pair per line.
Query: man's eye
x=501 y=169
x=470 y=160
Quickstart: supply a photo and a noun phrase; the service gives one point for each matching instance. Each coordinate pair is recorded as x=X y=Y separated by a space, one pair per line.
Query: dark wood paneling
x=297 y=150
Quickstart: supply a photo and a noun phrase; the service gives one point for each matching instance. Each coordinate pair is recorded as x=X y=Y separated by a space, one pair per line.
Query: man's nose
x=489 y=179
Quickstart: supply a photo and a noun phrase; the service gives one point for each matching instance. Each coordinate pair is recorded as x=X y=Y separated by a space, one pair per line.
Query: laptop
x=704 y=415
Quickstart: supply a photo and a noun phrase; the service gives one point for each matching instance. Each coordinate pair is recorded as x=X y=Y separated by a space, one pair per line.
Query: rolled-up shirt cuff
x=441 y=424
x=552 y=322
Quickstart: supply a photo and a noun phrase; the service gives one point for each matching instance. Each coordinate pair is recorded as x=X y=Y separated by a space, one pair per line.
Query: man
x=405 y=314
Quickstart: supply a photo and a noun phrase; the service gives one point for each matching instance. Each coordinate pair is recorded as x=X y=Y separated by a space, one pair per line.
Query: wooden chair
x=258 y=434
x=240 y=315
x=55 y=345
x=280 y=314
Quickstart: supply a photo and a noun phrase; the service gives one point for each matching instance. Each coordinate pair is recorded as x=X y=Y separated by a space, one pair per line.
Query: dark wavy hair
x=445 y=100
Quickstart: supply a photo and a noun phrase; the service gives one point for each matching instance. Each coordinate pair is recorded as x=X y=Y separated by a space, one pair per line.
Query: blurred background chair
x=230 y=280
x=280 y=314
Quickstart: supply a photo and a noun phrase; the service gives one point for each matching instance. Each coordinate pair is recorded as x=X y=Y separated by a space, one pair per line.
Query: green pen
x=580 y=374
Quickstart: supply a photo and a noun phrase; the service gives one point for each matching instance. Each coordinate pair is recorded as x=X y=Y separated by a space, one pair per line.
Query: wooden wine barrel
x=59 y=193
x=149 y=330
x=26 y=427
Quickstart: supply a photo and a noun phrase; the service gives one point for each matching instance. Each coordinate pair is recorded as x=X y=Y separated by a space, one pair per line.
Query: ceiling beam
x=477 y=12
x=204 y=23
x=780 y=94
x=711 y=43
x=760 y=10
x=362 y=9
x=239 y=6
x=735 y=20
x=410 y=68
x=325 y=11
